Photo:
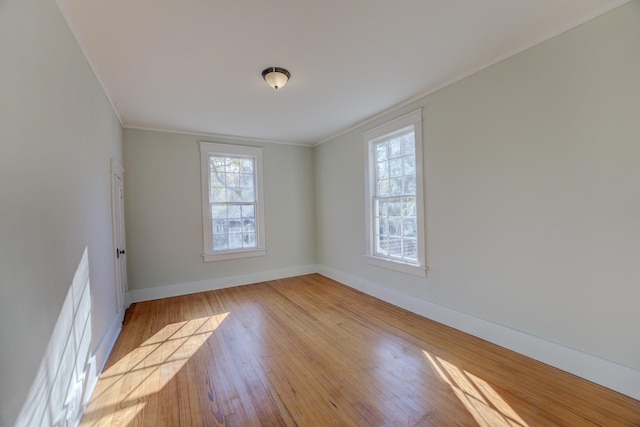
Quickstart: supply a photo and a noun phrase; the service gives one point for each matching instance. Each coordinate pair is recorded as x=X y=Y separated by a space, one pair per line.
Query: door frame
x=119 y=252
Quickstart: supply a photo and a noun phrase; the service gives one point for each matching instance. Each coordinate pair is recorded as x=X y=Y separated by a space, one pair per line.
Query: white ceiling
x=195 y=65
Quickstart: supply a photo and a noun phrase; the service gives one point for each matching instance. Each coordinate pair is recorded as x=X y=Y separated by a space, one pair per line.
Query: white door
x=120 y=253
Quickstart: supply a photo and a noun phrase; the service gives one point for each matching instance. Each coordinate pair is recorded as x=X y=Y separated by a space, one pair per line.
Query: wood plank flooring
x=308 y=351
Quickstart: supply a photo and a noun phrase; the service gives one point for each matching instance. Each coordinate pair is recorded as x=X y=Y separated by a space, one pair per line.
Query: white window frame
x=206 y=150
x=413 y=121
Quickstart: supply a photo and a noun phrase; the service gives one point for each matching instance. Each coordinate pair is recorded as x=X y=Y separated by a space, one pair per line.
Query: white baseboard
x=96 y=362
x=608 y=374
x=148 y=294
x=106 y=343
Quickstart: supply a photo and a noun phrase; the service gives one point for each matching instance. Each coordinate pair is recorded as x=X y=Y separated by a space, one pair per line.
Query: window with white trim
x=394 y=200
x=232 y=209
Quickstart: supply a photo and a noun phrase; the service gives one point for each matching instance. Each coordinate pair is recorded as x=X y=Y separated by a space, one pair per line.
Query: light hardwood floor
x=309 y=351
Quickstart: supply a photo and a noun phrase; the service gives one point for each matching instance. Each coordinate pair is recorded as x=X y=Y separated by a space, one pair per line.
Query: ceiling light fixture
x=276 y=77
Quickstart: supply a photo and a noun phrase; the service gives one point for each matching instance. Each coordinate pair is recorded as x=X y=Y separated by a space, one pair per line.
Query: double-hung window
x=394 y=200
x=232 y=208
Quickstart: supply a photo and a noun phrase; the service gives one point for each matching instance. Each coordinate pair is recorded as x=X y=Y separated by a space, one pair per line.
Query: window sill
x=403 y=267
x=222 y=256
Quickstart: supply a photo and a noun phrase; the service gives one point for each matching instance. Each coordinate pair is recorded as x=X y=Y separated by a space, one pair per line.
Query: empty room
x=411 y=213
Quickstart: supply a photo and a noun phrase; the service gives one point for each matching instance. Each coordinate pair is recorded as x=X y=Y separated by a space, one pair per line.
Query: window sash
x=232 y=200
x=395 y=228
x=231 y=231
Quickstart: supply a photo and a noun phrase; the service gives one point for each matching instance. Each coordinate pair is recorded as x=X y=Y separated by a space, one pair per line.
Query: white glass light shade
x=276 y=77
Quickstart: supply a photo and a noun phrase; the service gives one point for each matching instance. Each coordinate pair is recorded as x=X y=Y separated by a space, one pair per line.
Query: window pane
x=217 y=194
x=409 y=165
x=246 y=180
x=231 y=164
x=409 y=249
x=235 y=240
x=246 y=166
x=382 y=245
x=217 y=164
x=220 y=226
x=381 y=151
x=233 y=195
x=219 y=212
x=383 y=226
x=232 y=179
x=408 y=143
x=217 y=178
x=395 y=148
x=247 y=195
x=395 y=167
x=234 y=225
x=409 y=227
x=394 y=207
x=395 y=247
x=382 y=170
x=395 y=227
x=381 y=207
x=235 y=211
x=408 y=207
x=383 y=188
x=409 y=185
x=396 y=186
x=248 y=211
x=248 y=225
x=249 y=240
x=220 y=242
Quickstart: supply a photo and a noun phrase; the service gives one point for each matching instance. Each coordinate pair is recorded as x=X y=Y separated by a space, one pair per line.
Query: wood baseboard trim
x=603 y=372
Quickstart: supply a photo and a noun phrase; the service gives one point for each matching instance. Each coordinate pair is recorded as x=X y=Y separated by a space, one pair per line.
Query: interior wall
x=57 y=134
x=164 y=211
x=531 y=177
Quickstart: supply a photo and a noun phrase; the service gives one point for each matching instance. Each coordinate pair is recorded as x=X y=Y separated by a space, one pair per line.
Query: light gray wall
x=164 y=210
x=532 y=191
x=57 y=134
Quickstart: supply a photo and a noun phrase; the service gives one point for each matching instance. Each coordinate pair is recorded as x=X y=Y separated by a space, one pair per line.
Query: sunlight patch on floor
x=482 y=401
x=122 y=389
